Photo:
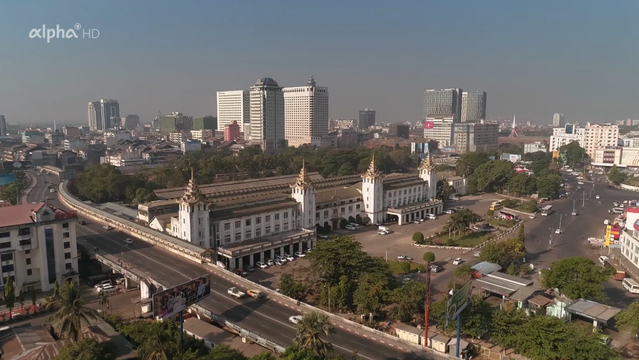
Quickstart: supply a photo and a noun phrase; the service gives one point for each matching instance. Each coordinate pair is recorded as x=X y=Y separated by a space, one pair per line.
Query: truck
x=235 y=292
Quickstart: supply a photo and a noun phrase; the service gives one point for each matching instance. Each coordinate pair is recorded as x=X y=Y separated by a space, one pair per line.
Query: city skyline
x=532 y=84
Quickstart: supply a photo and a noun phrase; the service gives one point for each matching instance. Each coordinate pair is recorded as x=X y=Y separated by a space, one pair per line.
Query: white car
x=279 y=262
x=107 y=227
x=404 y=257
x=270 y=262
x=574 y=213
x=416 y=222
x=477 y=254
x=381 y=232
x=351 y=228
x=458 y=261
x=558 y=231
x=289 y=257
x=580 y=182
x=449 y=211
x=128 y=241
x=597 y=197
x=431 y=216
x=532 y=217
x=105 y=288
x=295 y=319
x=261 y=265
x=300 y=254
x=606 y=222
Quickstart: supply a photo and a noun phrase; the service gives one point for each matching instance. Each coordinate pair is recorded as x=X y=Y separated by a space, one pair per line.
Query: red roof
x=18 y=214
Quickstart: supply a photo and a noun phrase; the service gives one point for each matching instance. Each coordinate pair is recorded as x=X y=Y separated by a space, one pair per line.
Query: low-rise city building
x=537 y=146
x=566 y=135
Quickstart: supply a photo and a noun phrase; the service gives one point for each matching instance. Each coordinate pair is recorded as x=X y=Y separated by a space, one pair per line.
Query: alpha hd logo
x=61 y=33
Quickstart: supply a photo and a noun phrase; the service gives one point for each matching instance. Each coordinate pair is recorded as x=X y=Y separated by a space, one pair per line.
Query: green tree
x=493 y=175
x=460 y=222
x=445 y=190
x=10 y=194
x=87 y=349
x=264 y=356
x=9 y=295
x=56 y=291
x=469 y=162
x=429 y=258
x=418 y=238
x=312 y=331
x=576 y=277
x=405 y=267
x=71 y=312
x=409 y=301
x=512 y=269
x=290 y=287
x=330 y=260
x=157 y=344
x=629 y=318
x=295 y=352
x=505 y=323
x=572 y=153
x=615 y=175
x=540 y=168
x=493 y=252
x=225 y=352
x=522 y=184
x=476 y=317
x=548 y=186
x=34 y=296
x=370 y=293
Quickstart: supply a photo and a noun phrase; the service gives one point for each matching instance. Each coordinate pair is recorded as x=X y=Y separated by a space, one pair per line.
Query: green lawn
x=500 y=222
x=395 y=268
x=470 y=240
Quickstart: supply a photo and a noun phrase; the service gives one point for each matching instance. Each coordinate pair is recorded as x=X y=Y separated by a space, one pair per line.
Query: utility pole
x=560 y=215
x=426 y=311
x=583 y=199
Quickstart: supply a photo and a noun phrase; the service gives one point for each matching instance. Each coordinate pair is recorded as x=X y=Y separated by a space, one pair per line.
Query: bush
x=418 y=238
x=451 y=242
x=490 y=212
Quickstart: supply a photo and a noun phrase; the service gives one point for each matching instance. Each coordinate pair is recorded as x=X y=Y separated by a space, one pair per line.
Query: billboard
x=171 y=301
x=429 y=125
x=459 y=301
x=608 y=234
x=7 y=179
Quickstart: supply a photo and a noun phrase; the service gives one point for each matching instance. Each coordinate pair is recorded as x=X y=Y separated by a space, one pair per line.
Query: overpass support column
x=251 y=260
x=240 y=262
x=145 y=293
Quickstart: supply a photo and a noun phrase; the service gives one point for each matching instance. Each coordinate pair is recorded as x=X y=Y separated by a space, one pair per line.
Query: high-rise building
x=232 y=131
x=366 y=118
x=205 y=123
x=558 y=120
x=130 y=122
x=95 y=115
x=475 y=136
x=233 y=106
x=442 y=102
x=110 y=113
x=175 y=122
x=3 y=126
x=473 y=106
x=440 y=128
x=600 y=136
x=305 y=114
x=399 y=130
x=267 y=115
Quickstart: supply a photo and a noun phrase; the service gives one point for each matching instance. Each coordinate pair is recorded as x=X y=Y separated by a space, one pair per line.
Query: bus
x=496 y=205
x=631 y=285
x=546 y=210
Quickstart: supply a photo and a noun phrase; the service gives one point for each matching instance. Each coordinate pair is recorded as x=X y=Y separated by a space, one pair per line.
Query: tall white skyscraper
x=3 y=126
x=305 y=114
x=233 y=106
x=95 y=115
x=473 y=106
x=267 y=114
x=558 y=120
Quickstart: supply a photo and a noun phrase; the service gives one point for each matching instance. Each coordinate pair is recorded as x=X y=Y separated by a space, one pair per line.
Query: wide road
x=264 y=317
x=544 y=246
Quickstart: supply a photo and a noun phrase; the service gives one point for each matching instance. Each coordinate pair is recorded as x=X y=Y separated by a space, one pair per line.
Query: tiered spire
x=192 y=193
x=372 y=170
x=303 y=180
x=427 y=164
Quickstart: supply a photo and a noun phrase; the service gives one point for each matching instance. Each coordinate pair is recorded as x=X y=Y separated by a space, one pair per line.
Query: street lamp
x=122 y=254
x=386 y=254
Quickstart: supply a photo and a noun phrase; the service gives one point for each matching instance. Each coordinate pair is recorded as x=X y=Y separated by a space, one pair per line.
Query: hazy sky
x=533 y=58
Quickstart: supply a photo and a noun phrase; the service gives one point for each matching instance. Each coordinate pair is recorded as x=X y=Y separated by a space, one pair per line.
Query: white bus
x=631 y=285
x=546 y=210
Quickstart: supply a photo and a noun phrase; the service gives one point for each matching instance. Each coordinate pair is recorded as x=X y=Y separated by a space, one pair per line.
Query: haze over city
x=533 y=59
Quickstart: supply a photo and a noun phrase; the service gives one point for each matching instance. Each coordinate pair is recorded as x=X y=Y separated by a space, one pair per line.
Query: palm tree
x=104 y=301
x=72 y=312
x=310 y=331
x=461 y=221
x=157 y=345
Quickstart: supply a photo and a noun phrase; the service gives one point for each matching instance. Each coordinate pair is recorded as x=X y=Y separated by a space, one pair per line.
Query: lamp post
x=122 y=254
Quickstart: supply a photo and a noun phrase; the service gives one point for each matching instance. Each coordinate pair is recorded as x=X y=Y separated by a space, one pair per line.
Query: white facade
x=305 y=113
x=267 y=114
x=36 y=249
x=630 y=237
x=112 y=138
x=599 y=136
x=178 y=136
x=94 y=115
x=566 y=135
x=201 y=134
x=232 y=106
x=607 y=156
x=440 y=129
x=193 y=221
x=373 y=193
x=535 y=147
x=254 y=226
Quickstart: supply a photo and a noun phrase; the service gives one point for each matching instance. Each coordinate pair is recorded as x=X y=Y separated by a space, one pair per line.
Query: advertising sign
x=429 y=125
x=607 y=237
x=171 y=301
x=459 y=301
x=7 y=179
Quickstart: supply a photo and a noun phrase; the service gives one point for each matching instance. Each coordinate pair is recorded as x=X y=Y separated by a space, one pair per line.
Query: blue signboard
x=6 y=179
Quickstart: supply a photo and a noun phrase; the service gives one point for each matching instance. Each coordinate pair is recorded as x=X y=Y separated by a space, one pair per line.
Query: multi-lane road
x=265 y=317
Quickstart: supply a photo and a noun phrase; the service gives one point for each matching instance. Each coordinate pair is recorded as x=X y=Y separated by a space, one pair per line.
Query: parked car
x=350 y=227
x=300 y=254
x=458 y=261
x=240 y=272
x=431 y=216
x=128 y=241
x=449 y=211
x=477 y=254
x=261 y=265
x=295 y=319
x=249 y=269
x=404 y=257
x=107 y=227
x=279 y=262
x=289 y=257
x=558 y=231
x=270 y=262
x=322 y=236
x=597 y=197
x=436 y=268
x=102 y=283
